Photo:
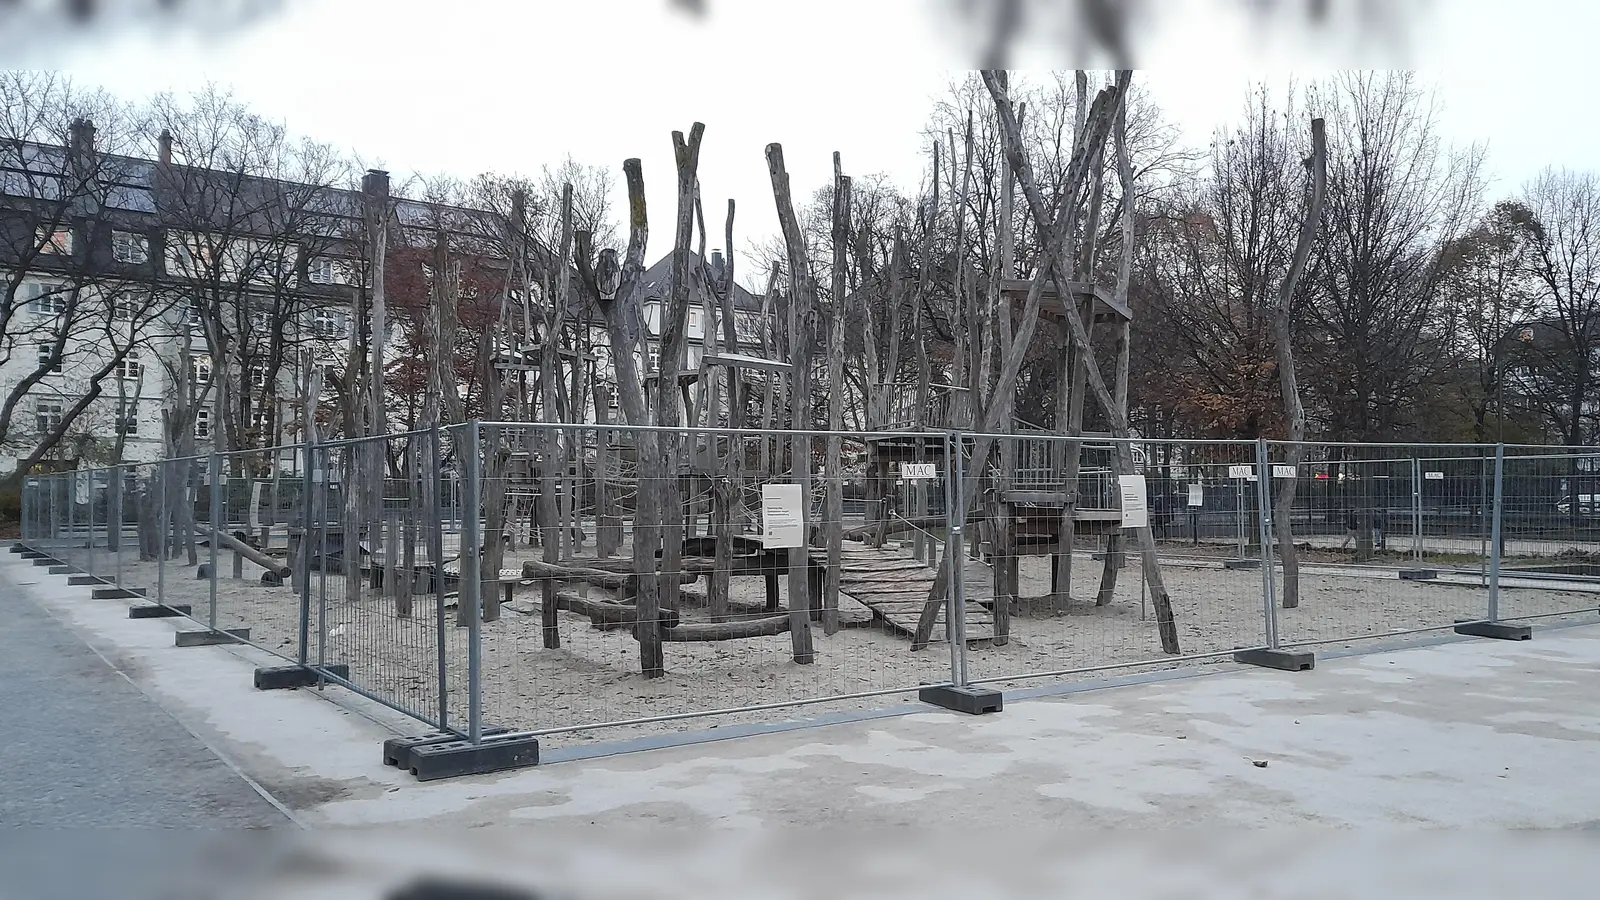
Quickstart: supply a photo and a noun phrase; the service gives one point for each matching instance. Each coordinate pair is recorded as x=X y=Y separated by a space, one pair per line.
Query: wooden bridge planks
x=895 y=587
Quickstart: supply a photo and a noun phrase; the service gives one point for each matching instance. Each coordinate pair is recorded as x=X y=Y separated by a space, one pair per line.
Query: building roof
x=658 y=281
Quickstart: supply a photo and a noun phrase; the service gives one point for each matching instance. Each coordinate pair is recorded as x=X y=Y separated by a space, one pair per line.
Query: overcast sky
x=474 y=85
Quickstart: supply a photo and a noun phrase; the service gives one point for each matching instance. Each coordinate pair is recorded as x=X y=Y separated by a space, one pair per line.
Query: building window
x=49 y=361
x=130 y=367
x=195 y=319
x=55 y=241
x=48 y=414
x=47 y=300
x=202 y=423
x=200 y=371
x=260 y=322
x=128 y=421
x=125 y=310
x=130 y=248
x=321 y=270
x=258 y=374
x=329 y=323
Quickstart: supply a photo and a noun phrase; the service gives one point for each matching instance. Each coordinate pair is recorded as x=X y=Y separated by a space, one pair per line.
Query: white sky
x=509 y=85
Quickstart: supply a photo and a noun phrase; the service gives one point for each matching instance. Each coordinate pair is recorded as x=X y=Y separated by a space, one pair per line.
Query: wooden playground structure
x=628 y=506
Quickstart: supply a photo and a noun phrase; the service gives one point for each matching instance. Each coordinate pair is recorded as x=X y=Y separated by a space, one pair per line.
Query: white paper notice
x=1197 y=495
x=253 y=514
x=782 y=516
x=918 y=471
x=1135 y=505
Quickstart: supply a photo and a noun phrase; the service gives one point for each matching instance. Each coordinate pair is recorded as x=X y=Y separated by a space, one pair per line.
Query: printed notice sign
x=1283 y=471
x=783 y=516
x=1197 y=495
x=918 y=471
x=253 y=515
x=1433 y=476
x=1241 y=471
x=1135 y=504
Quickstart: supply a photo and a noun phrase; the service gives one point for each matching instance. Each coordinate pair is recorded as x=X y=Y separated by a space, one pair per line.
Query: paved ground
x=1157 y=783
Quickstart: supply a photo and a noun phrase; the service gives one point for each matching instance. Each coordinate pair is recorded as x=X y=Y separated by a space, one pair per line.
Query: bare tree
x=68 y=306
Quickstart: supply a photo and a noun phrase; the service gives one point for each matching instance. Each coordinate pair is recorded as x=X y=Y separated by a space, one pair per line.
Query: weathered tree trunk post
x=623 y=317
x=804 y=297
x=727 y=511
x=1092 y=141
x=550 y=537
x=833 y=504
x=1282 y=336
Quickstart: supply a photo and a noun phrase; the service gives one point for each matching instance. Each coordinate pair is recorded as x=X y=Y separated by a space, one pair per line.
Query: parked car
x=1588 y=506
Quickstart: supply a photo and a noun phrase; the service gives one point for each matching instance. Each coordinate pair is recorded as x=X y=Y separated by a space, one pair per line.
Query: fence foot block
x=1241 y=564
x=451 y=759
x=278 y=678
x=116 y=593
x=970 y=699
x=397 y=750
x=65 y=570
x=1504 y=631
x=42 y=560
x=159 y=611
x=19 y=548
x=1285 y=660
x=210 y=638
x=80 y=580
x=33 y=554
x=1418 y=574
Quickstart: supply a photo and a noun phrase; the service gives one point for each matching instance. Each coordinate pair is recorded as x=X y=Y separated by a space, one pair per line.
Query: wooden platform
x=895 y=586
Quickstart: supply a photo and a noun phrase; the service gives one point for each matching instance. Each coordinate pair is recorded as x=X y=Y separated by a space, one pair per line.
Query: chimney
x=164 y=147
x=375 y=183
x=82 y=140
x=717 y=263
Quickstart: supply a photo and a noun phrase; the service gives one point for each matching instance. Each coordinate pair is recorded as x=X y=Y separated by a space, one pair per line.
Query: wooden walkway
x=895 y=586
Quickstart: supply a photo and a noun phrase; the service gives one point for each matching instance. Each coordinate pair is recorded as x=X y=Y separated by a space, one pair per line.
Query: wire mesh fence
x=572 y=578
x=1077 y=592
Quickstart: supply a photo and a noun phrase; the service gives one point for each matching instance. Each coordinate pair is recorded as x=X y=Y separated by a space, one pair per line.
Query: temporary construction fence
x=503 y=583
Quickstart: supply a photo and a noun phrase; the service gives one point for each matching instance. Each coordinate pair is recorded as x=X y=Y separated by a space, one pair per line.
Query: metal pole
x=215 y=464
x=90 y=527
x=163 y=531
x=1483 y=533
x=436 y=557
x=1269 y=587
x=1416 y=506
x=29 y=487
x=114 y=517
x=308 y=510
x=956 y=504
x=1494 y=533
x=470 y=580
x=1238 y=516
x=950 y=611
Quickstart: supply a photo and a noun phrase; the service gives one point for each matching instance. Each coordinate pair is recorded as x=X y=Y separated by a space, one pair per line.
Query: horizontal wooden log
x=605 y=612
x=270 y=563
x=535 y=569
x=726 y=631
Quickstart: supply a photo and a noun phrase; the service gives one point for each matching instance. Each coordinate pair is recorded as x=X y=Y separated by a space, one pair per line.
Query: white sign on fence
x=1197 y=495
x=919 y=471
x=1135 y=504
x=783 y=516
x=1433 y=476
x=253 y=515
x=1283 y=472
x=1241 y=471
